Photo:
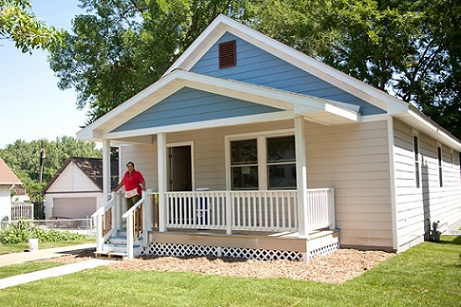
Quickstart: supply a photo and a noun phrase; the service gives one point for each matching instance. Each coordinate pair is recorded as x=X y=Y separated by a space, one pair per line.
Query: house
x=253 y=149
x=75 y=192
x=20 y=195
x=8 y=180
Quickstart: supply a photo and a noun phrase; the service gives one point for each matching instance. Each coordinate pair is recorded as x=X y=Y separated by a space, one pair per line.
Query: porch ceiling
x=322 y=111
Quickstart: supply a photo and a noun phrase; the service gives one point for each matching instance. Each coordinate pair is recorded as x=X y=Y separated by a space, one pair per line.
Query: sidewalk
x=17 y=258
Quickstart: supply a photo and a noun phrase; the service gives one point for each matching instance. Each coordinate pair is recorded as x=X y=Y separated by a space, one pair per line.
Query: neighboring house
x=75 y=192
x=289 y=154
x=20 y=195
x=7 y=181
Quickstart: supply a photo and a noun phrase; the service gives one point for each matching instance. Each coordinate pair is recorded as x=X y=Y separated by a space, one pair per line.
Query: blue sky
x=32 y=107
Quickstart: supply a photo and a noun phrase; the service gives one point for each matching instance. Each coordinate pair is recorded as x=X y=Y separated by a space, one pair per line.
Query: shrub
x=24 y=230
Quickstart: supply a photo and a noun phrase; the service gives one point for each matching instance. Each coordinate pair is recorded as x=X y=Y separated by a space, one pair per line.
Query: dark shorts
x=130 y=202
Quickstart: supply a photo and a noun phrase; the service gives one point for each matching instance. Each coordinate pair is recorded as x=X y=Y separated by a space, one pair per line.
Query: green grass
x=20 y=247
x=428 y=274
x=23 y=268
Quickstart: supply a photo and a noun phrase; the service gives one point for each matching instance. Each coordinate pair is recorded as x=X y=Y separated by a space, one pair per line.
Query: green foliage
x=20 y=25
x=409 y=49
x=120 y=47
x=24 y=159
x=25 y=230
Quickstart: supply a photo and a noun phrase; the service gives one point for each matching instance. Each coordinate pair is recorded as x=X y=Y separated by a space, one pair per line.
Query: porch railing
x=247 y=210
x=104 y=219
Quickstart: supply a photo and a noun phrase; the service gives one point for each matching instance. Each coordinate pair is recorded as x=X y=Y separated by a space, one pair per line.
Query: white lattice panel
x=182 y=250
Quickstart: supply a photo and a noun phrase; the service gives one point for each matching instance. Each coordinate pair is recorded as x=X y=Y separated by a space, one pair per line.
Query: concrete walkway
x=41 y=254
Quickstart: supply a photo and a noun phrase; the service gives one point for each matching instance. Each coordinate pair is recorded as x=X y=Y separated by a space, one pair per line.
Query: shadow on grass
x=451 y=240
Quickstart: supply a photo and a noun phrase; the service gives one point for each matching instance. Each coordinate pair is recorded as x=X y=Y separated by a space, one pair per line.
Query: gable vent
x=227 y=54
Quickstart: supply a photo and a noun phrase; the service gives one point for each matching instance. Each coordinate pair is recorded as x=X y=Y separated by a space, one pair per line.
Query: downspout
x=390 y=134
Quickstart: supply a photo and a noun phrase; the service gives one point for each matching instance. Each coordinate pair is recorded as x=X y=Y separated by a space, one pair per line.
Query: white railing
x=320 y=209
x=136 y=222
x=104 y=219
x=247 y=210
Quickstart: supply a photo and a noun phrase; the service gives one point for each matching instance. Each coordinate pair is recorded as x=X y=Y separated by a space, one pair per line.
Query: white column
x=106 y=189
x=162 y=179
x=301 y=176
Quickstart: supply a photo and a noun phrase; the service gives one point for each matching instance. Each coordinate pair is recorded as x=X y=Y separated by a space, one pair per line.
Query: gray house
x=253 y=149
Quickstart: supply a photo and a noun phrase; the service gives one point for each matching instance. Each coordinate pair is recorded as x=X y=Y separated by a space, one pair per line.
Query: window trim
x=262 y=154
x=417 y=160
x=440 y=164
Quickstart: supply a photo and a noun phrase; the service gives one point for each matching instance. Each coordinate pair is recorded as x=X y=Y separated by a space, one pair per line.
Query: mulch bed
x=337 y=267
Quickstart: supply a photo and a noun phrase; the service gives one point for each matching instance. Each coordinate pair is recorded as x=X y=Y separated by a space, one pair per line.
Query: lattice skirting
x=182 y=250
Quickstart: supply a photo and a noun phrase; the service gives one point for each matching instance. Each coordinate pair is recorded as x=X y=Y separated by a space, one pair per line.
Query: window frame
x=417 y=160
x=440 y=164
x=263 y=176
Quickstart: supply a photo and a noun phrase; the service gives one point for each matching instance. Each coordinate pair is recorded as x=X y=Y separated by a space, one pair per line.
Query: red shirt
x=132 y=181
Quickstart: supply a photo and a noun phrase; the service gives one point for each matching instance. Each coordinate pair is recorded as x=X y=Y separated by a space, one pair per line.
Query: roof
x=92 y=168
x=7 y=176
x=319 y=110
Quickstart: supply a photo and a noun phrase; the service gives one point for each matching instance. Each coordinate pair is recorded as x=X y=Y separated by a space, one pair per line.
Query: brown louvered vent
x=227 y=54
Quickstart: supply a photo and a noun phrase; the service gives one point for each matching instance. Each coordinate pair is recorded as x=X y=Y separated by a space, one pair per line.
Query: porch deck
x=260 y=245
x=265 y=225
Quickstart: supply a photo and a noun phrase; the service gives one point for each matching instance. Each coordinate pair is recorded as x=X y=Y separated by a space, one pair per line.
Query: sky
x=32 y=107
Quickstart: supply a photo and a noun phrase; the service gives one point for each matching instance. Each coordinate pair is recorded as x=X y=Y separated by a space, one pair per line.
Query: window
x=417 y=163
x=263 y=163
x=227 y=54
x=281 y=162
x=244 y=164
x=439 y=157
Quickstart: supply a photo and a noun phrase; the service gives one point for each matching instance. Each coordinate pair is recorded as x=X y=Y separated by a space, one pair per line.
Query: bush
x=24 y=230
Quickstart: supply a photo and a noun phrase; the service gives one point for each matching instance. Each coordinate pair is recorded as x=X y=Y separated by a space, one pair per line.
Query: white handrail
x=128 y=215
x=97 y=216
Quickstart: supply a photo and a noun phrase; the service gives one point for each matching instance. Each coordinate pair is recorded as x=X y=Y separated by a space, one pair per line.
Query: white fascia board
x=433 y=129
x=223 y=122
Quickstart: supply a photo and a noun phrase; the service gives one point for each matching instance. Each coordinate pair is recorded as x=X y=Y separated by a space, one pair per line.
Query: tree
x=24 y=158
x=20 y=25
x=120 y=47
x=409 y=49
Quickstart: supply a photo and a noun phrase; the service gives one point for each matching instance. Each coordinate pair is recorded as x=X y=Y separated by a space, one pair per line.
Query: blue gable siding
x=189 y=105
x=257 y=66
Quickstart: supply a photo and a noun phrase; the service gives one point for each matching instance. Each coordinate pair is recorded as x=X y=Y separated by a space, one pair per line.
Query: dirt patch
x=337 y=267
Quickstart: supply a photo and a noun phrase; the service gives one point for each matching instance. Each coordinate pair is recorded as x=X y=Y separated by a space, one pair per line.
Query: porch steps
x=116 y=249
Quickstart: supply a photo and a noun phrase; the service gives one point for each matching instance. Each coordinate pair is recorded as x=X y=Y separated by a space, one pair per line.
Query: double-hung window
x=281 y=162
x=264 y=162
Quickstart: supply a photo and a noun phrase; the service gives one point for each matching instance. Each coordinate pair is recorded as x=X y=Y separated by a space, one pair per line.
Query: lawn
x=20 y=247
x=428 y=274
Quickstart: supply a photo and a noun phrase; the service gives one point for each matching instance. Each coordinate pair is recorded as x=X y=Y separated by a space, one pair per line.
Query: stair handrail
x=128 y=215
x=97 y=217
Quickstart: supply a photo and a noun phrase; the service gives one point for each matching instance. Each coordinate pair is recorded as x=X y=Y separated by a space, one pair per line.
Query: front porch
x=241 y=224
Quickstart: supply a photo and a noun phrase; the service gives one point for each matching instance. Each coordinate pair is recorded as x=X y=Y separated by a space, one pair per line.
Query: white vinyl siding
x=353 y=159
x=418 y=208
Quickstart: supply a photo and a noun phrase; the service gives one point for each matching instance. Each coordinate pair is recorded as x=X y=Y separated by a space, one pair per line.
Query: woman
x=134 y=184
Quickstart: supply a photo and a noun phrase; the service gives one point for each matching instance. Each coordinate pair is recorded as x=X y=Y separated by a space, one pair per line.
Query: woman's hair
x=129 y=164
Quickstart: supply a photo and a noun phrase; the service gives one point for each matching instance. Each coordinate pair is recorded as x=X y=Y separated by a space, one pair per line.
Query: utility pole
x=42 y=157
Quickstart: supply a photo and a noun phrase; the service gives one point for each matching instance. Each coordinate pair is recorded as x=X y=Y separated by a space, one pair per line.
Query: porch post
x=106 y=188
x=162 y=180
x=301 y=175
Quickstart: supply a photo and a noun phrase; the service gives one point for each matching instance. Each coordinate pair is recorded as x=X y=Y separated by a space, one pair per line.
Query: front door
x=179 y=168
